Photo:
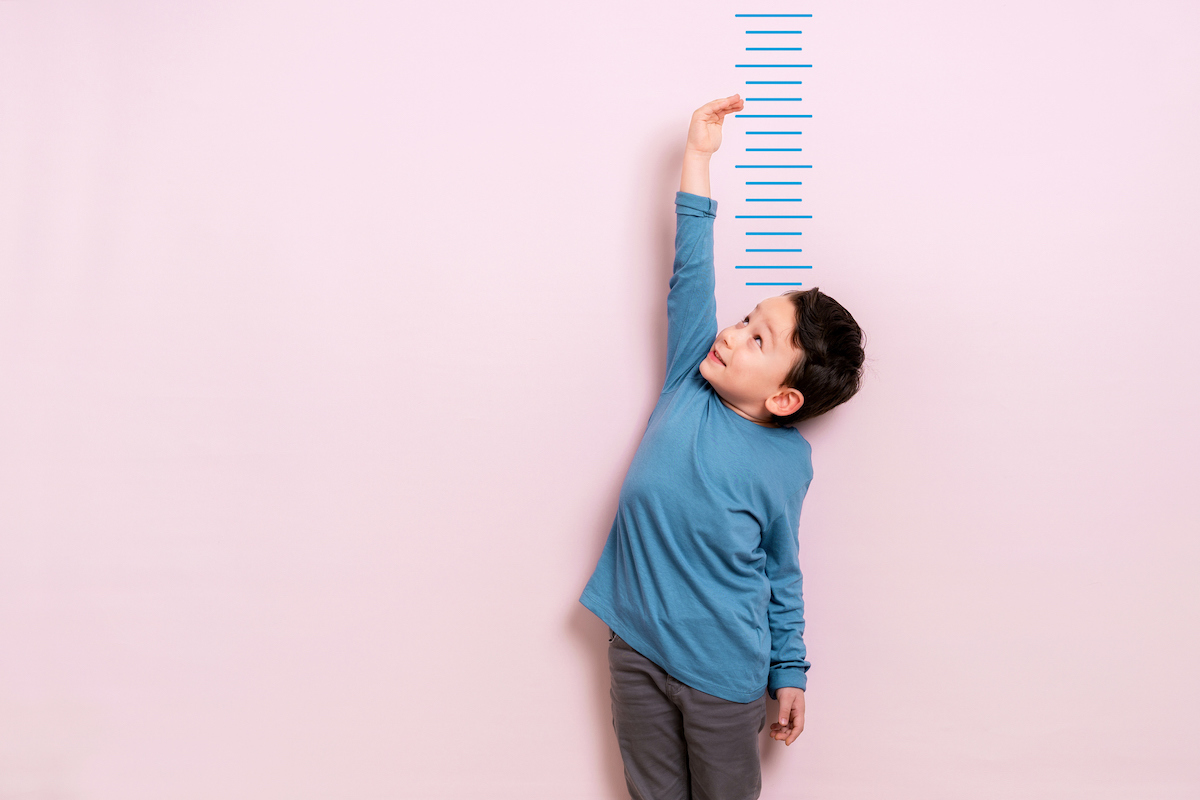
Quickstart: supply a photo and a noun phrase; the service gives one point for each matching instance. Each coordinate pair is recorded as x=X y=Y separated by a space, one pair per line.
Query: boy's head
x=795 y=356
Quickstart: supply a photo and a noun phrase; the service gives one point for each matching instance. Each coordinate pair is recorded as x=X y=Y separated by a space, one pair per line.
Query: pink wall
x=327 y=333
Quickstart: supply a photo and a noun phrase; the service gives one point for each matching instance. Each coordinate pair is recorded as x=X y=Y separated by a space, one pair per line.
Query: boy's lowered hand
x=704 y=132
x=791 y=714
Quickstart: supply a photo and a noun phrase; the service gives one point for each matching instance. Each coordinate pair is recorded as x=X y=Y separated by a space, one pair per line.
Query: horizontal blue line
x=774 y=31
x=774 y=183
x=772 y=65
x=770 y=216
x=774 y=233
x=774 y=48
x=756 y=82
x=780 y=250
x=775 y=116
x=772 y=166
x=773 y=99
x=773 y=133
x=739 y=266
x=774 y=149
x=774 y=283
x=774 y=200
x=772 y=15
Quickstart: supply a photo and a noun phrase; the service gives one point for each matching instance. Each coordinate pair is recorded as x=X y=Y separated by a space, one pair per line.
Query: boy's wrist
x=695 y=172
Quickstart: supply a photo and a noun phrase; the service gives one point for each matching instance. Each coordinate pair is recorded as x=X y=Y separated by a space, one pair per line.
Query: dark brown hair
x=829 y=369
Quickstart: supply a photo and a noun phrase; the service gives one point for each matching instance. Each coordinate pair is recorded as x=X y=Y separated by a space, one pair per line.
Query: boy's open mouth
x=717 y=357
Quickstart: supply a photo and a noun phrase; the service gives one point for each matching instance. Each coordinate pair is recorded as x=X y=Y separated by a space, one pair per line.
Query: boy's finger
x=794 y=730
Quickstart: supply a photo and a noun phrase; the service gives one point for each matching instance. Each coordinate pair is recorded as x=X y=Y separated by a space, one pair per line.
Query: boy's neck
x=739 y=412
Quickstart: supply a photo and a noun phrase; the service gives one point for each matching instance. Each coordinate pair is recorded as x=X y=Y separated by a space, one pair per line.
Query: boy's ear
x=785 y=402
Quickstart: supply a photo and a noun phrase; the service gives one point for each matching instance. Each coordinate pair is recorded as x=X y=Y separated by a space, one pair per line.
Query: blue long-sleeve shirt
x=701 y=569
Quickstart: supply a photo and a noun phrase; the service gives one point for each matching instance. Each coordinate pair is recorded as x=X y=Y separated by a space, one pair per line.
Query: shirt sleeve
x=785 y=611
x=691 y=302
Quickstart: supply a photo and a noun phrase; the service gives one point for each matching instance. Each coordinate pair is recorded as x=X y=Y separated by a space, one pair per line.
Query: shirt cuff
x=786 y=676
x=690 y=204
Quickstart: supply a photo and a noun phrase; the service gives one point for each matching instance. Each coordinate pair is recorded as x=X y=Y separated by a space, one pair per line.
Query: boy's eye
x=758 y=339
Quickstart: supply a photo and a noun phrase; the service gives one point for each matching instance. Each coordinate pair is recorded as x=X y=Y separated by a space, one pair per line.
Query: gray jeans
x=679 y=743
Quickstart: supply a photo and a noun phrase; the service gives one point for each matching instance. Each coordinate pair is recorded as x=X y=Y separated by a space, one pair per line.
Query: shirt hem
x=607 y=616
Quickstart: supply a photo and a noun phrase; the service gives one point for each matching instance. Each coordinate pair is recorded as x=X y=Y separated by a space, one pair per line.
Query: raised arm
x=704 y=137
x=691 y=305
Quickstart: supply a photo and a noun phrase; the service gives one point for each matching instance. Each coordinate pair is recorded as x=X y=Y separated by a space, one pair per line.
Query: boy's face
x=748 y=362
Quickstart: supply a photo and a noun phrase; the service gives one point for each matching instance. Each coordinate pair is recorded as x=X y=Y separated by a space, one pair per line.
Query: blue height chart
x=772 y=69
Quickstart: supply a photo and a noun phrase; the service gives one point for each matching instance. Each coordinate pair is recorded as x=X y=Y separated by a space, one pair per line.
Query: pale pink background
x=327 y=333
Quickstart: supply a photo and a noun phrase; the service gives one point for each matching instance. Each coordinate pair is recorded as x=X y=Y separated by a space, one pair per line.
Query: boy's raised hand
x=704 y=133
x=791 y=714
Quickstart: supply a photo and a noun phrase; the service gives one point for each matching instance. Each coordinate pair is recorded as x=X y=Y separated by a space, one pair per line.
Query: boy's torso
x=683 y=575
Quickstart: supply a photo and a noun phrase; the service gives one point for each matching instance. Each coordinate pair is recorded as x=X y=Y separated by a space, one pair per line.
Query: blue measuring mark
x=774 y=133
x=774 y=233
x=773 y=149
x=772 y=65
x=740 y=266
x=768 y=216
x=774 y=48
x=774 y=183
x=774 y=81
x=771 y=99
x=774 y=31
x=772 y=166
x=774 y=283
x=774 y=200
x=772 y=15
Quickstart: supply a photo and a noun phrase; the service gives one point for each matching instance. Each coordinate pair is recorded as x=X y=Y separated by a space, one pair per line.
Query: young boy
x=699 y=581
